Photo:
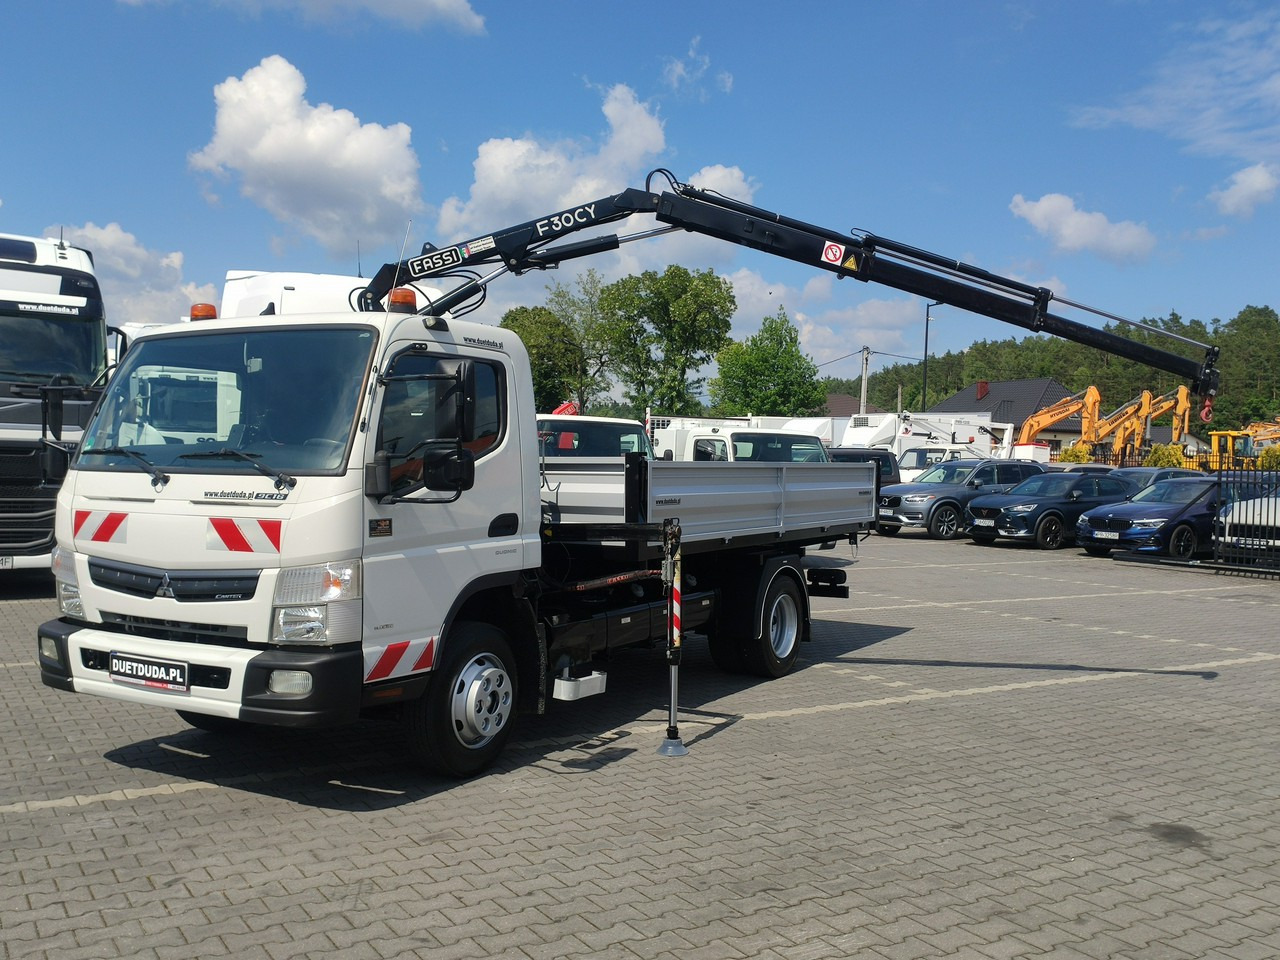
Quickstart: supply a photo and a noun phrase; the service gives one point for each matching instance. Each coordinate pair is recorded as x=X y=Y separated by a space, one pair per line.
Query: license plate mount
x=150 y=672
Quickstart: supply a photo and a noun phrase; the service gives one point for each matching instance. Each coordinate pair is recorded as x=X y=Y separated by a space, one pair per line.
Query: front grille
x=26 y=520
x=185 y=585
x=1108 y=523
x=986 y=513
x=177 y=630
x=890 y=501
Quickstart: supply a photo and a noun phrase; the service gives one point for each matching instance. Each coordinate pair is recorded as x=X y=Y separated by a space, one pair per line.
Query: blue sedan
x=1171 y=517
x=1043 y=508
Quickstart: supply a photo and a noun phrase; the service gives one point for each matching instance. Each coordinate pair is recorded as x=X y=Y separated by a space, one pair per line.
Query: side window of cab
x=420 y=412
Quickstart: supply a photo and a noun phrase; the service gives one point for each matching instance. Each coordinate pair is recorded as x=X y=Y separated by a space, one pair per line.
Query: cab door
x=424 y=547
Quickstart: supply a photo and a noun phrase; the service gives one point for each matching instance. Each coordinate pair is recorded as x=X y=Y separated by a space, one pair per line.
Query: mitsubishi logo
x=165 y=589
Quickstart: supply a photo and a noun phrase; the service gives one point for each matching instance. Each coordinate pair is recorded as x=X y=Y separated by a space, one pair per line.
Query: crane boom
x=534 y=245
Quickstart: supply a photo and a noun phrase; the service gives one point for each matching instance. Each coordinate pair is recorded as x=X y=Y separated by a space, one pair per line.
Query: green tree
x=767 y=374
x=589 y=336
x=553 y=355
x=1164 y=455
x=662 y=329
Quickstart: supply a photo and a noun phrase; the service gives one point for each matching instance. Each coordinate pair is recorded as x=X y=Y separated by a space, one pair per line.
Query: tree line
x=644 y=340
x=1249 y=365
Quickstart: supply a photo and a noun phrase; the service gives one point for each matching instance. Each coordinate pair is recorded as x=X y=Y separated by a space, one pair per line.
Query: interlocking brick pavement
x=985 y=753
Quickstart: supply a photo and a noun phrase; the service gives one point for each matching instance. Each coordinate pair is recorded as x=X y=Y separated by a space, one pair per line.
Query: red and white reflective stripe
x=400 y=659
x=101 y=526
x=675 y=609
x=243 y=536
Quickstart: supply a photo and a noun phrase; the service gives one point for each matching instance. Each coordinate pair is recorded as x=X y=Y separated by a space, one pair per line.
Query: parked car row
x=1168 y=511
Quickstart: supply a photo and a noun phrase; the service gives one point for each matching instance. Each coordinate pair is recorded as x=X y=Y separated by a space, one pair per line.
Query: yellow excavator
x=1085 y=403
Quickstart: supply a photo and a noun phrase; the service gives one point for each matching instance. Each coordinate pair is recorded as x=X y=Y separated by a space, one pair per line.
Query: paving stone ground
x=987 y=753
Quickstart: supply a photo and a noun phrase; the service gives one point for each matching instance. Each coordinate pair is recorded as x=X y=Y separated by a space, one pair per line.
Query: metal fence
x=1246 y=532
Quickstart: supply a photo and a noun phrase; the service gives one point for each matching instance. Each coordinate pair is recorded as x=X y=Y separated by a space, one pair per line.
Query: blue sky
x=1124 y=153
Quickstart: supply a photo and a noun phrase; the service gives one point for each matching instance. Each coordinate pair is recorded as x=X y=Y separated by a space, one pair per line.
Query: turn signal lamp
x=204 y=311
x=402 y=300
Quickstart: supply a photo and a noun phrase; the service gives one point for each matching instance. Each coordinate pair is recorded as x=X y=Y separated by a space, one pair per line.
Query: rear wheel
x=945 y=522
x=460 y=725
x=1049 y=533
x=1183 y=542
x=773 y=653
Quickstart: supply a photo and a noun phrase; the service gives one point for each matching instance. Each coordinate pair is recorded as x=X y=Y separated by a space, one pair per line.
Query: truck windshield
x=37 y=346
x=256 y=401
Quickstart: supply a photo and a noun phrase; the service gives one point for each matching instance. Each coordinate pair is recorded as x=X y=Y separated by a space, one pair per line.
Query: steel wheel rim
x=784 y=625
x=481 y=701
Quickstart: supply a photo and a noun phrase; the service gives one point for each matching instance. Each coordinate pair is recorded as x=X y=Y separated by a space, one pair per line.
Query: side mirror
x=53 y=462
x=1074 y=495
x=449 y=469
x=377 y=476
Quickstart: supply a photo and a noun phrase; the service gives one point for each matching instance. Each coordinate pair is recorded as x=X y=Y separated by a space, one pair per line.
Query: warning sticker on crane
x=833 y=253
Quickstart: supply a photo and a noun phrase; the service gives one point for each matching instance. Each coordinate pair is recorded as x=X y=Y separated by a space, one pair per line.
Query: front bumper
x=229 y=682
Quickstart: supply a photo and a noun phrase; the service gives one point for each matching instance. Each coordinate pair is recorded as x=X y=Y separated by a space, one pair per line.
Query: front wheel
x=773 y=653
x=1049 y=533
x=945 y=522
x=1183 y=542
x=460 y=725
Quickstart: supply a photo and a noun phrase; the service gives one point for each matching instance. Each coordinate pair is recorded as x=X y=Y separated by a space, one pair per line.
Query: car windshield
x=950 y=471
x=1046 y=485
x=232 y=401
x=1165 y=491
x=588 y=438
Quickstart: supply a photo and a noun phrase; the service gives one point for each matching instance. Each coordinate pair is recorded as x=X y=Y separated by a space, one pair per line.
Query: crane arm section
x=537 y=245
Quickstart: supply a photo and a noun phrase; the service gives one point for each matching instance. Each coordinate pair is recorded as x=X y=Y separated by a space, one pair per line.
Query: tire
x=462 y=722
x=945 y=524
x=1183 y=542
x=983 y=539
x=773 y=653
x=1098 y=551
x=887 y=529
x=1050 y=534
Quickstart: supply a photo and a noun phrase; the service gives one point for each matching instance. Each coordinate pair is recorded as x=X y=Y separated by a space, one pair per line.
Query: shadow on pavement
x=365 y=766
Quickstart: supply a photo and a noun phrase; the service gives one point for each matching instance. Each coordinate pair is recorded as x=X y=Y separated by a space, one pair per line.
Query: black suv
x=885 y=460
x=936 y=499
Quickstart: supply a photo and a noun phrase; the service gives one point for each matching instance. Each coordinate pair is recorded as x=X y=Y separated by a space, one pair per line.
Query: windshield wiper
x=157 y=475
x=282 y=479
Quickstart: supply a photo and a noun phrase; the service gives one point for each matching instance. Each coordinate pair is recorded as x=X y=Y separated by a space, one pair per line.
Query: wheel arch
x=503 y=601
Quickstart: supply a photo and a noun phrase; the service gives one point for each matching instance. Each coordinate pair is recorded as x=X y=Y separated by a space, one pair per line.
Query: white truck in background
x=921 y=441
x=53 y=356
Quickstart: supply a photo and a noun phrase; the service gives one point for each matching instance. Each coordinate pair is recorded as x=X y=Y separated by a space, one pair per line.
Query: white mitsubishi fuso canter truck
x=299 y=519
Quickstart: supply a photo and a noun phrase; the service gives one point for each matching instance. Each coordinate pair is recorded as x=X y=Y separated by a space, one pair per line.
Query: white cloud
x=315 y=168
x=1218 y=90
x=410 y=13
x=1249 y=189
x=826 y=335
x=138 y=285
x=1055 y=216
x=520 y=179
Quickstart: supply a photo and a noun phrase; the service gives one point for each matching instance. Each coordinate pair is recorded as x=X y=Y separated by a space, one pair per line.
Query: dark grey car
x=936 y=499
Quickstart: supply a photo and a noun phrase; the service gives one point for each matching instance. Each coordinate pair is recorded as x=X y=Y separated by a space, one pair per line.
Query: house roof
x=846 y=405
x=1009 y=401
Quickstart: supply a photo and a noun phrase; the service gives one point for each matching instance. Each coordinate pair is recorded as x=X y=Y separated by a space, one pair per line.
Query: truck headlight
x=317 y=605
x=67 y=584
